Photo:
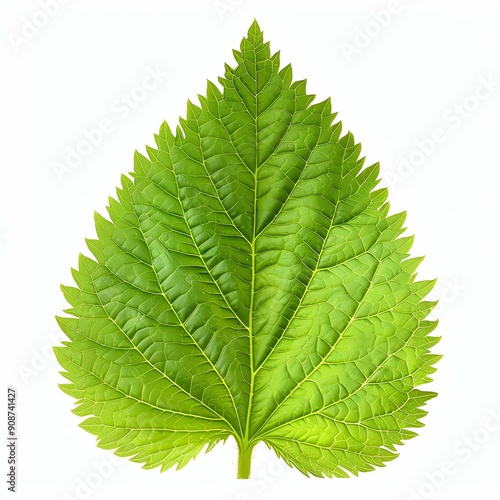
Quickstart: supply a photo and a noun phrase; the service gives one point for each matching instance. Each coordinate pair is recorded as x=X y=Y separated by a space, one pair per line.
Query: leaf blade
x=249 y=282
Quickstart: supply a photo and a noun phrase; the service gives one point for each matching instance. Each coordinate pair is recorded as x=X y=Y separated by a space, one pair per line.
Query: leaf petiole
x=244 y=460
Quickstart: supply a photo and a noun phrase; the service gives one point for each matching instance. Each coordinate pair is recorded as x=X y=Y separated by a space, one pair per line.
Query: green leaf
x=250 y=283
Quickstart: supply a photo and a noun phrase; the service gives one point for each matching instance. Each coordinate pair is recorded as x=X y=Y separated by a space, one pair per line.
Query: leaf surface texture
x=250 y=282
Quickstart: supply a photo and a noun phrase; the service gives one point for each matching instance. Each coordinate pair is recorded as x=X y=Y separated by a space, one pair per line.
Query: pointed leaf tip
x=255 y=35
x=254 y=28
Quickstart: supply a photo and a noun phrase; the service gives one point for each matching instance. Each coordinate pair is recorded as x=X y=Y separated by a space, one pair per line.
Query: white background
x=411 y=77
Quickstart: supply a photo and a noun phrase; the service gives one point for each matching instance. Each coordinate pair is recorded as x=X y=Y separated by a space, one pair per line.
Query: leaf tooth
x=396 y=221
x=166 y=133
x=423 y=309
x=212 y=445
x=96 y=247
x=71 y=294
x=229 y=71
x=71 y=311
x=347 y=140
x=425 y=327
x=238 y=56
x=85 y=267
x=69 y=326
x=368 y=175
x=275 y=58
x=179 y=132
x=309 y=99
x=162 y=144
x=84 y=408
x=142 y=164
x=67 y=388
x=328 y=107
x=123 y=192
x=410 y=265
x=432 y=341
x=80 y=278
x=213 y=91
x=225 y=82
x=103 y=226
x=323 y=108
x=339 y=126
x=193 y=111
x=126 y=181
x=188 y=127
x=266 y=46
x=405 y=243
x=58 y=351
x=286 y=75
x=427 y=368
x=425 y=286
x=379 y=196
x=152 y=153
x=203 y=102
x=114 y=208
x=326 y=110
x=435 y=358
x=299 y=86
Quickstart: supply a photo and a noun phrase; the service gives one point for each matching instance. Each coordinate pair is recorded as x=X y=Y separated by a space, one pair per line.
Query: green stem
x=244 y=460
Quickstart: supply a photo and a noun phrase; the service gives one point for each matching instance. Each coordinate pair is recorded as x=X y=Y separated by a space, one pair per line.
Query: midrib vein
x=252 y=289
